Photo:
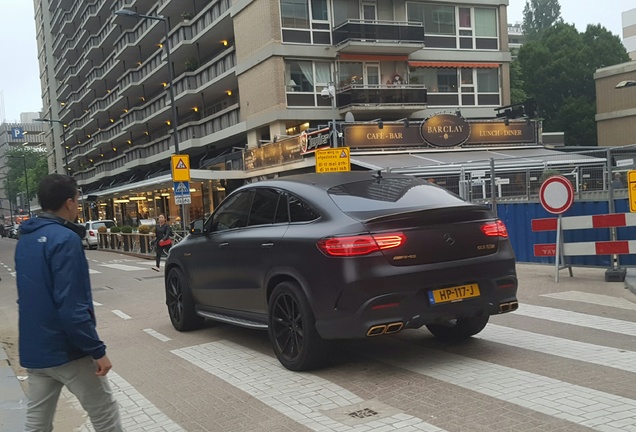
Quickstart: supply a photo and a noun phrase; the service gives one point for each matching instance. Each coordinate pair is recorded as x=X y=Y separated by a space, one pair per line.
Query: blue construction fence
x=518 y=217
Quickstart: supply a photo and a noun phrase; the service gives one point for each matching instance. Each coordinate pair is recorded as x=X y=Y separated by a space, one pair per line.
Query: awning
x=453 y=64
x=425 y=162
x=372 y=57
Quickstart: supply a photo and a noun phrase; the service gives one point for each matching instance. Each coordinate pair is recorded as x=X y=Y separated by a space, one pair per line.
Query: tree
x=517 y=93
x=558 y=69
x=36 y=168
x=539 y=15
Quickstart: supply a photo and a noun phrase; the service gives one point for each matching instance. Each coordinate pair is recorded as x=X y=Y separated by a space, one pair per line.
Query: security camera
x=325 y=93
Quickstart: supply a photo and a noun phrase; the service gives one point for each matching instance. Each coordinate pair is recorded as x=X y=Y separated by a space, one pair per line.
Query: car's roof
x=329 y=180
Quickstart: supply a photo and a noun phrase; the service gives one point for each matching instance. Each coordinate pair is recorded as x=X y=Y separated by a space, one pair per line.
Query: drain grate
x=363 y=413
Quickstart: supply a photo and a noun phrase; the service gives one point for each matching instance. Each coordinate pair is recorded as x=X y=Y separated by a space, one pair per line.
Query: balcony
x=382 y=98
x=378 y=37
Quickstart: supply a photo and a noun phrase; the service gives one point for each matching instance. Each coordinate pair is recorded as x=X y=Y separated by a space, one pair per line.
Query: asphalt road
x=565 y=361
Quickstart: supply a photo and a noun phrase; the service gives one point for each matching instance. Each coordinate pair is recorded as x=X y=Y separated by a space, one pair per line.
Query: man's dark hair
x=54 y=190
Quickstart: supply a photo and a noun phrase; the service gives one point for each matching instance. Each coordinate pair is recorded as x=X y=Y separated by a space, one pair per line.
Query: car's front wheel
x=180 y=302
x=458 y=329
x=292 y=330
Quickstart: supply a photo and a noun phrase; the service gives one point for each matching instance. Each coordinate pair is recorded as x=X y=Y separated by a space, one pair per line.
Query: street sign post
x=181 y=168
x=182 y=193
x=333 y=160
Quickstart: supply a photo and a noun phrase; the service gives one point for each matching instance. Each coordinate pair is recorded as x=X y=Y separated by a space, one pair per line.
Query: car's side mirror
x=196 y=227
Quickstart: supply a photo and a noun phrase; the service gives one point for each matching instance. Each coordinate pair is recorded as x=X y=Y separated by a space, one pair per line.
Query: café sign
x=445 y=130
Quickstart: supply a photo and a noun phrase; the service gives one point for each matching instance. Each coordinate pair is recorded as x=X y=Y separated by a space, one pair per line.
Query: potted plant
x=191 y=64
x=143 y=230
x=102 y=233
x=114 y=237
x=186 y=16
x=127 y=238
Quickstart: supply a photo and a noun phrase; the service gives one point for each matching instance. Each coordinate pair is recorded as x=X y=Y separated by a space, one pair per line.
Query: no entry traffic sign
x=556 y=194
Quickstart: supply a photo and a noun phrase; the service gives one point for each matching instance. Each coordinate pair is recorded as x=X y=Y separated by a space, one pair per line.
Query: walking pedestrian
x=163 y=241
x=59 y=345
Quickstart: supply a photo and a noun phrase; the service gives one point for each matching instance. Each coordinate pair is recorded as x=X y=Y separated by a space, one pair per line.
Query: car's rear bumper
x=412 y=308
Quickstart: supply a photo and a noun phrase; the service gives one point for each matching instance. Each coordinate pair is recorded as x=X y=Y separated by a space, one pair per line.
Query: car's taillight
x=91 y=233
x=495 y=229
x=360 y=245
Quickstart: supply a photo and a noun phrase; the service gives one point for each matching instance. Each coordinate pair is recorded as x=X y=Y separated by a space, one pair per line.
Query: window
x=485 y=22
x=295 y=13
x=304 y=80
x=301 y=75
x=233 y=213
x=488 y=80
x=319 y=10
x=264 y=206
x=299 y=211
x=282 y=210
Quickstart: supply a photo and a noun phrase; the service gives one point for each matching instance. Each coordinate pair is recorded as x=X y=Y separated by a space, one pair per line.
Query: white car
x=91 y=239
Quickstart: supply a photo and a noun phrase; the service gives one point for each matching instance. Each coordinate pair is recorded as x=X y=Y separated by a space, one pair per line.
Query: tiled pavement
x=314 y=402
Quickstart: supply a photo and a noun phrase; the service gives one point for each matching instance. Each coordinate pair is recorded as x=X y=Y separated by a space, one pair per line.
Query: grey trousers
x=79 y=377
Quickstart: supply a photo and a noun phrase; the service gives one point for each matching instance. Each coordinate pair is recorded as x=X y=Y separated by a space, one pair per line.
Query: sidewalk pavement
x=12 y=398
x=534 y=279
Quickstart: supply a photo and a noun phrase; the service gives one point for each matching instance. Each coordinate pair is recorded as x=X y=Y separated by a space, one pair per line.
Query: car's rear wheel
x=180 y=302
x=459 y=329
x=292 y=330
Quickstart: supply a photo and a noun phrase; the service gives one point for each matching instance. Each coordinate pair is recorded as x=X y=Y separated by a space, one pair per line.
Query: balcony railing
x=362 y=30
x=381 y=95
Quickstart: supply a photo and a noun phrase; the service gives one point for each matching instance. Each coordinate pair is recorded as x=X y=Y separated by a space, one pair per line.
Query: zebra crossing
x=319 y=404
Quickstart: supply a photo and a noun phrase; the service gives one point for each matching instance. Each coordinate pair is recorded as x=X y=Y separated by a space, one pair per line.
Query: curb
x=630 y=280
x=13 y=400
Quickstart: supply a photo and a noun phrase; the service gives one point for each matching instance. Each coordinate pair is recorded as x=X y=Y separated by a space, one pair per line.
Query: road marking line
x=581 y=351
x=120 y=314
x=577 y=319
x=302 y=397
x=596 y=299
x=96 y=304
x=157 y=335
x=91 y=271
x=136 y=411
x=581 y=405
x=123 y=267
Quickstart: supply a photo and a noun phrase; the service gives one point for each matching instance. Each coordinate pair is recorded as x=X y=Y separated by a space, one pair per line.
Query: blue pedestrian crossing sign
x=182 y=193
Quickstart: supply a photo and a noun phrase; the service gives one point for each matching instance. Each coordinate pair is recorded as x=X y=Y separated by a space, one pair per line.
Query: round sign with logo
x=556 y=194
x=445 y=130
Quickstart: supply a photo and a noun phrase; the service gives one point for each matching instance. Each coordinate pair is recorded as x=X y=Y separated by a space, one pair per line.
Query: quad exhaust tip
x=508 y=307
x=381 y=329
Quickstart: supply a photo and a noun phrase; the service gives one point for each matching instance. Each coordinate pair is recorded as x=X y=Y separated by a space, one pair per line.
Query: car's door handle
x=223 y=245
x=267 y=245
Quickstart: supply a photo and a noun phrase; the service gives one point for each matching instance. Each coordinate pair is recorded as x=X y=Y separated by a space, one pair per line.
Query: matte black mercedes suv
x=316 y=257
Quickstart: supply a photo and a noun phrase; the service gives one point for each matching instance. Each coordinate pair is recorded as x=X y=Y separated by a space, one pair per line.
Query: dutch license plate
x=453 y=294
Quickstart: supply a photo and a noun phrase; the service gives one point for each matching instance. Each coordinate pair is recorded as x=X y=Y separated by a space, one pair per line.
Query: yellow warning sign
x=181 y=168
x=333 y=160
x=631 y=187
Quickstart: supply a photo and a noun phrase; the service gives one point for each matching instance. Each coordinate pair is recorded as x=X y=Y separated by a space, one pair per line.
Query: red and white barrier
x=617 y=247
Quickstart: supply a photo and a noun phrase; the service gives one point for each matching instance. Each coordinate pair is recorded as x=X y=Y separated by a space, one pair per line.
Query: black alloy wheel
x=180 y=302
x=292 y=329
x=459 y=329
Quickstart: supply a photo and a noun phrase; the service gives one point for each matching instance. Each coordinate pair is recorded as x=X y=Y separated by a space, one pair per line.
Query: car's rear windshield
x=107 y=224
x=376 y=197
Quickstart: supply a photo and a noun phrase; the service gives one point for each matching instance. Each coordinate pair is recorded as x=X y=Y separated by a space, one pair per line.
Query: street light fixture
x=175 y=136
x=50 y=122
x=626 y=83
x=26 y=181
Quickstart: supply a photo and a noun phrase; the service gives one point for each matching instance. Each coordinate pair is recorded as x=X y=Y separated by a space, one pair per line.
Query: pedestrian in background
x=163 y=241
x=617 y=183
x=59 y=345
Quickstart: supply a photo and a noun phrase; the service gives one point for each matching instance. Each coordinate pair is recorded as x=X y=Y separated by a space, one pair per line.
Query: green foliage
x=115 y=229
x=126 y=229
x=539 y=15
x=36 y=168
x=517 y=93
x=143 y=229
x=557 y=70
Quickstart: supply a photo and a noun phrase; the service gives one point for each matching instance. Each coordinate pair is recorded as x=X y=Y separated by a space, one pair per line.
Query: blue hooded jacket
x=57 y=318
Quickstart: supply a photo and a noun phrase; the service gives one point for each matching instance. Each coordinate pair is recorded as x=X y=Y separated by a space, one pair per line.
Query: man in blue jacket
x=59 y=345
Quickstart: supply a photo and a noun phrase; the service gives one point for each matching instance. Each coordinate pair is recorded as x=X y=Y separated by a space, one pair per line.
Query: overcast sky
x=19 y=73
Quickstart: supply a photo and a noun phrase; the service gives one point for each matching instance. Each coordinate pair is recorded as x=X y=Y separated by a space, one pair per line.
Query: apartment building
x=629 y=32
x=616 y=107
x=245 y=74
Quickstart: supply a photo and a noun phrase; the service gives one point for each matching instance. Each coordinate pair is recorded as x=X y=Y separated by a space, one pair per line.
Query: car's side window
x=264 y=207
x=282 y=210
x=233 y=213
x=299 y=211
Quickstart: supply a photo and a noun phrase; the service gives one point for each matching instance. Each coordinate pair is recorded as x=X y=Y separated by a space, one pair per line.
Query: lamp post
x=175 y=136
x=626 y=83
x=50 y=122
x=26 y=182
x=330 y=92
